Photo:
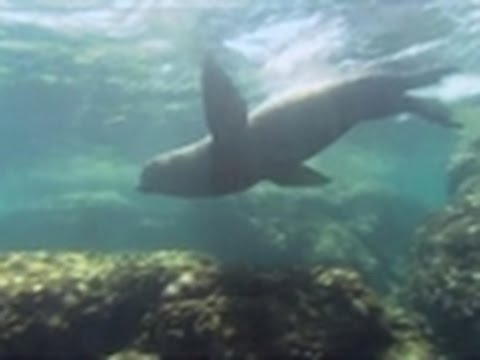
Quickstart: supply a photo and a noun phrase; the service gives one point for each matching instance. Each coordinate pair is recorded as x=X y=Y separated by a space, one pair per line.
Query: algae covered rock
x=411 y=341
x=311 y=314
x=172 y=305
x=76 y=303
x=445 y=283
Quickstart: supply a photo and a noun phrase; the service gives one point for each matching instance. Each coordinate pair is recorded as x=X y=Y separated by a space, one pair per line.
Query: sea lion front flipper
x=301 y=176
x=225 y=109
x=431 y=110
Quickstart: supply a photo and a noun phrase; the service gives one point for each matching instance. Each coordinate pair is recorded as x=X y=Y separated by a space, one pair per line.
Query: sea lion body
x=273 y=140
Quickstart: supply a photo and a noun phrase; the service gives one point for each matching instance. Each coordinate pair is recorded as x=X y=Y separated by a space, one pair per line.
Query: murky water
x=89 y=90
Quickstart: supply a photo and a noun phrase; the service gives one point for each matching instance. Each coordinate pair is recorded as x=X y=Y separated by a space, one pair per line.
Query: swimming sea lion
x=272 y=141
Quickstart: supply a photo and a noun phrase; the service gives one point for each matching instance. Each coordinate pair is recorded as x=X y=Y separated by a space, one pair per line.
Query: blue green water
x=89 y=90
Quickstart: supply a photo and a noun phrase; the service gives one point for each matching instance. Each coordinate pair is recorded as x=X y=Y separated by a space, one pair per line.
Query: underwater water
x=90 y=90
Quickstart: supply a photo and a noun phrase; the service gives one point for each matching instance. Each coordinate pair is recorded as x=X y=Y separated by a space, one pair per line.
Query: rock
x=445 y=281
x=176 y=304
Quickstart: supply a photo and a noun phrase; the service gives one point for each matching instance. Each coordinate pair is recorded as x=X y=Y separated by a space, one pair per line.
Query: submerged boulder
x=445 y=281
x=77 y=303
x=177 y=304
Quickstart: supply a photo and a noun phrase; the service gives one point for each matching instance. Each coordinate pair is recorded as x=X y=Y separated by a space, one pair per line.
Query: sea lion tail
x=431 y=110
x=426 y=77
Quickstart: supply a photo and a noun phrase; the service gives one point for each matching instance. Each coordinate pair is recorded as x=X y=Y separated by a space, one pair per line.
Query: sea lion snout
x=144 y=185
x=149 y=178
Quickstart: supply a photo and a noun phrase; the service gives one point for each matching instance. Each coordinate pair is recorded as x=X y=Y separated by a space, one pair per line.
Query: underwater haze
x=90 y=90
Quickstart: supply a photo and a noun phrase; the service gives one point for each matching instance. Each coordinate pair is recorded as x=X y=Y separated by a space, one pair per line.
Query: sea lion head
x=157 y=175
x=181 y=172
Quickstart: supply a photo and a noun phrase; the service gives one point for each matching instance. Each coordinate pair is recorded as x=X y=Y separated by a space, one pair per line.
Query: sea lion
x=272 y=141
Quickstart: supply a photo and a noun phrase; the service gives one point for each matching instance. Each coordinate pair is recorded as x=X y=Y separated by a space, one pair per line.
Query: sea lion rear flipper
x=431 y=110
x=225 y=109
x=427 y=77
x=301 y=176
